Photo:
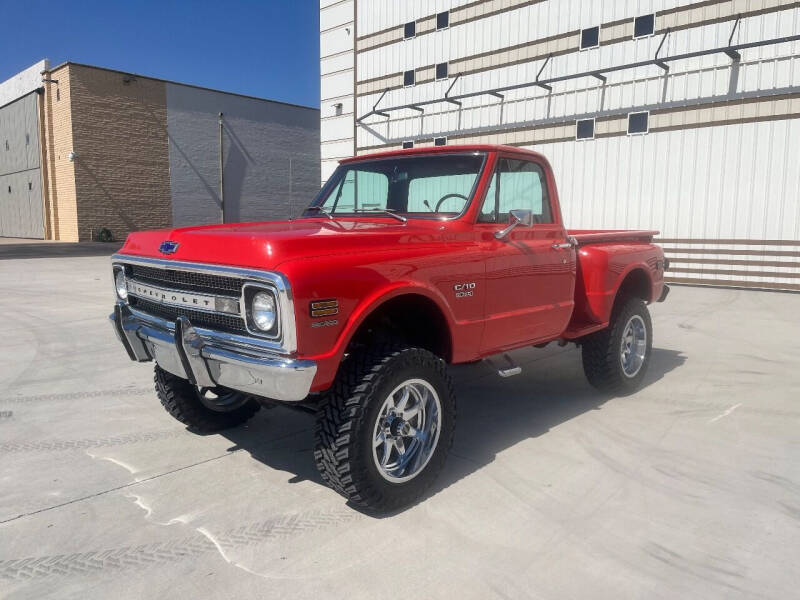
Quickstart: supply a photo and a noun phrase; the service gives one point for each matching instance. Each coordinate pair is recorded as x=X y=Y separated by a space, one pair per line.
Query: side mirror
x=517 y=216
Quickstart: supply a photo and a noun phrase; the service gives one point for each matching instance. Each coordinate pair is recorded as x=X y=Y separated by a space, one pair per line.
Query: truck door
x=530 y=273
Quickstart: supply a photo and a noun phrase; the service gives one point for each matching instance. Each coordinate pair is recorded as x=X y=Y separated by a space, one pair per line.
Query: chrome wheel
x=407 y=430
x=221 y=399
x=633 y=348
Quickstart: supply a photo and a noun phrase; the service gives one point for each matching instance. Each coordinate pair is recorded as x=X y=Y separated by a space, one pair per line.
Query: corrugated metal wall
x=719 y=171
x=21 y=205
x=270 y=155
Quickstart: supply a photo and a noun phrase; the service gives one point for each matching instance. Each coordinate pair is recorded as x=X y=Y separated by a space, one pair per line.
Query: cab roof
x=455 y=149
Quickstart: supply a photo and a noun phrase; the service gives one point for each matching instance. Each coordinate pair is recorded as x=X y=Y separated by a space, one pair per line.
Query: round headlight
x=121 y=284
x=264 y=311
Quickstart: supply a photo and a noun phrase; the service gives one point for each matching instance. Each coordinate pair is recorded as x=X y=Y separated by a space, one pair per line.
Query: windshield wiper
x=386 y=211
x=320 y=209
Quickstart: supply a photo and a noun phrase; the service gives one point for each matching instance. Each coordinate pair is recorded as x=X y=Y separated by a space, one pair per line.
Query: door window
x=516 y=184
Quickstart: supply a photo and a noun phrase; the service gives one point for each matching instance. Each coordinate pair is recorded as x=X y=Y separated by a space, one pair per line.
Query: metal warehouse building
x=83 y=149
x=676 y=115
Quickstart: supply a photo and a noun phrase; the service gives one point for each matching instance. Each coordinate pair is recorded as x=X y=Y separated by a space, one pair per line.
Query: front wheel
x=615 y=360
x=385 y=428
x=203 y=410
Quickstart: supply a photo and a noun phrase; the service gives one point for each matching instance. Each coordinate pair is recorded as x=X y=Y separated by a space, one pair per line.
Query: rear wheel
x=203 y=409
x=385 y=428
x=616 y=359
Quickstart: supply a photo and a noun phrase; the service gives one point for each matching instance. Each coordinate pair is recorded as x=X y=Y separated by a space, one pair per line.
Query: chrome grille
x=198 y=318
x=186 y=280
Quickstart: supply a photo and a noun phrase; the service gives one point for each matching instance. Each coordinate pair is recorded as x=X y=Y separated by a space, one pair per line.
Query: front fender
x=359 y=289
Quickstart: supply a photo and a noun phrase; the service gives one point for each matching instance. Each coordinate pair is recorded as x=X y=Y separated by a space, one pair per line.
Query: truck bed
x=595 y=236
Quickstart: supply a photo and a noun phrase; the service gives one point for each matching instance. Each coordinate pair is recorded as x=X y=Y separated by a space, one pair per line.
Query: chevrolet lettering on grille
x=171 y=297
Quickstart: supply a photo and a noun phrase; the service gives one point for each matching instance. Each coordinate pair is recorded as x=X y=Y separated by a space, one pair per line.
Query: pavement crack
x=117 y=488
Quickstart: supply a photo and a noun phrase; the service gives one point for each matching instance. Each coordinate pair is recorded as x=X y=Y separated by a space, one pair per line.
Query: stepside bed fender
x=604 y=269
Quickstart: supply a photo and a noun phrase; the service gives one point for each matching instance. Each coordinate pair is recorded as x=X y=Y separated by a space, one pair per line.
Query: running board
x=509 y=370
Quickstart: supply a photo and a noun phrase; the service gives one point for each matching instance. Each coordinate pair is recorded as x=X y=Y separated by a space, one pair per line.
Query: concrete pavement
x=689 y=488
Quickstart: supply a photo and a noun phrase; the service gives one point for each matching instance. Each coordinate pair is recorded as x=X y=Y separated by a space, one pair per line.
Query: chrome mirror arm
x=516 y=217
x=499 y=235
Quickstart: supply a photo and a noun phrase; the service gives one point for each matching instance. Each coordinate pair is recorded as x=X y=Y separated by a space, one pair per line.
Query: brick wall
x=119 y=131
x=61 y=202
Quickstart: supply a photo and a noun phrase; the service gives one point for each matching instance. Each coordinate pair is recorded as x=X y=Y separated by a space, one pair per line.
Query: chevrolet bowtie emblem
x=168 y=247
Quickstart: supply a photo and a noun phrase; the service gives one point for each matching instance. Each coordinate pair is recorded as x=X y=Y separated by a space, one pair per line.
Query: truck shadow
x=494 y=414
x=10 y=251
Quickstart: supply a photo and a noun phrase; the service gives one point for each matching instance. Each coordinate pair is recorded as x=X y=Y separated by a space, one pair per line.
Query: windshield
x=414 y=186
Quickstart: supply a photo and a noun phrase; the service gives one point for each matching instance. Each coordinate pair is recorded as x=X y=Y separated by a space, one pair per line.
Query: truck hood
x=267 y=245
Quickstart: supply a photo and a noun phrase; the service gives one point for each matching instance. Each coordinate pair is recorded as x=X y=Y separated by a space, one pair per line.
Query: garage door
x=21 y=213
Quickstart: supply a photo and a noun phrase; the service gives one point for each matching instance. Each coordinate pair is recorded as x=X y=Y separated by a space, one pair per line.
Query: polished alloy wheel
x=407 y=430
x=221 y=399
x=633 y=348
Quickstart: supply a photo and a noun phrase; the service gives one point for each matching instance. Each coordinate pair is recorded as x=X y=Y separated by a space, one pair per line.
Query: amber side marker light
x=324 y=308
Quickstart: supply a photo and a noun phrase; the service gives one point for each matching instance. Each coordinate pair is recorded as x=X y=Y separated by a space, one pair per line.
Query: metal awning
x=733 y=51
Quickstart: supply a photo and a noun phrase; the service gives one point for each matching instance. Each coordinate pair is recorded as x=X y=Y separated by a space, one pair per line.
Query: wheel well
x=411 y=318
x=636 y=284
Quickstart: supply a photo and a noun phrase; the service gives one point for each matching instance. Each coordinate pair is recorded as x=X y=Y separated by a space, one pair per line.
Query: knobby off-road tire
x=604 y=361
x=351 y=411
x=182 y=401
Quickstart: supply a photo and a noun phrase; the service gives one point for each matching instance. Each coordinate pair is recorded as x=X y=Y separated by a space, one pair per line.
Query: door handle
x=563 y=246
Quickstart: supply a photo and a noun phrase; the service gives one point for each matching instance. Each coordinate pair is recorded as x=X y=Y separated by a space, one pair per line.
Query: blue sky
x=268 y=49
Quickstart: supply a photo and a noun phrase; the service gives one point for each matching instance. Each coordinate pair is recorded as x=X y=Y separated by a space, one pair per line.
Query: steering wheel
x=443 y=198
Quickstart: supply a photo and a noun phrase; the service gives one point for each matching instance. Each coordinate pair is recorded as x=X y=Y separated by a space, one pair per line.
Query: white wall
x=721 y=165
x=23 y=82
x=337 y=52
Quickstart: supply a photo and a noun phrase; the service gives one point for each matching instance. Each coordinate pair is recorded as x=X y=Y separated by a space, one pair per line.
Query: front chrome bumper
x=209 y=358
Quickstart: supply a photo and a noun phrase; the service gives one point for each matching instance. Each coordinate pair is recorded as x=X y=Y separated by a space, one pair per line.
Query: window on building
x=409 y=30
x=638 y=123
x=440 y=141
x=408 y=78
x=27 y=139
x=338 y=108
x=30 y=186
x=443 y=20
x=644 y=26
x=6 y=144
x=516 y=184
x=584 y=129
x=407 y=145
x=58 y=94
x=590 y=38
x=441 y=71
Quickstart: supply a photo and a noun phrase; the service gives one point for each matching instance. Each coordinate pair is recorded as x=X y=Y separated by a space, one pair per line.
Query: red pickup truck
x=406 y=261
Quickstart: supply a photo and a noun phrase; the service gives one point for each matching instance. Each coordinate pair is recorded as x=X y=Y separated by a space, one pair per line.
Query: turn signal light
x=324 y=308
